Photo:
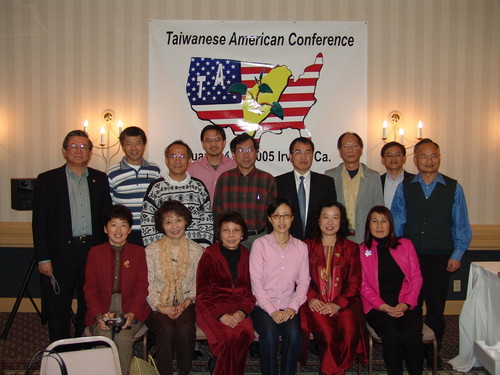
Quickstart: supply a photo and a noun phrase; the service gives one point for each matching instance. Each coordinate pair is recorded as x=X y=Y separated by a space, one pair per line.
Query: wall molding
x=18 y=234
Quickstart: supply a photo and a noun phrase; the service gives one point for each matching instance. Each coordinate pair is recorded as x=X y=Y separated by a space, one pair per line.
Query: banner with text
x=274 y=80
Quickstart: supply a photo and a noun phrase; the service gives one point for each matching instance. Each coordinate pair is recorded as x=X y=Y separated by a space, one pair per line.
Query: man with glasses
x=214 y=162
x=178 y=185
x=393 y=158
x=68 y=219
x=358 y=187
x=430 y=210
x=129 y=179
x=245 y=189
x=305 y=189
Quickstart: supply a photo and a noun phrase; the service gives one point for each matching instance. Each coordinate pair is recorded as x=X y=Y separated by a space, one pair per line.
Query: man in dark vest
x=430 y=210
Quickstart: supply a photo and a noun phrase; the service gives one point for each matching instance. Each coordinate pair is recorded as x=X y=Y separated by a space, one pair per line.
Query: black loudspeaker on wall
x=21 y=193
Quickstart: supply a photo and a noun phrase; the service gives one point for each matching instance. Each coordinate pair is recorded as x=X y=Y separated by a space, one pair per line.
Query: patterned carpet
x=27 y=336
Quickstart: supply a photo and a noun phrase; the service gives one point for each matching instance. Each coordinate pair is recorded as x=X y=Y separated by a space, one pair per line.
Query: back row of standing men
x=70 y=202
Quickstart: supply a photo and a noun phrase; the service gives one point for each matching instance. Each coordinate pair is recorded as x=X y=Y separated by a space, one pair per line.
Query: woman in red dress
x=333 y=311
x=224 y=297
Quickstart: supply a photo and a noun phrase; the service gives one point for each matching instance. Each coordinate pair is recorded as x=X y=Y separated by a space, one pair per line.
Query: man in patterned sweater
x=129 y=179
x=178 y=185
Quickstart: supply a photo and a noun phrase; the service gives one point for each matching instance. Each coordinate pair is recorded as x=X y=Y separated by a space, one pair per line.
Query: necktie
x=302 y=203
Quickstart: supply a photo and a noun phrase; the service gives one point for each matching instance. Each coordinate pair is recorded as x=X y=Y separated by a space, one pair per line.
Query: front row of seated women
x=328 y=278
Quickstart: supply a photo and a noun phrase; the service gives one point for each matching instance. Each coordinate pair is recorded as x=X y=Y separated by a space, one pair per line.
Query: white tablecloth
x=480 y=315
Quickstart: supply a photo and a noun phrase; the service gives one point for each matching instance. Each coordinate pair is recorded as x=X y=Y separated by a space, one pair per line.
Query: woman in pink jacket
x=390 y=287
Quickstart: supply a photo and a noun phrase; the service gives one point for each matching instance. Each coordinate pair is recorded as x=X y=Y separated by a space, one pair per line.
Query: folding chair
x=99 y=357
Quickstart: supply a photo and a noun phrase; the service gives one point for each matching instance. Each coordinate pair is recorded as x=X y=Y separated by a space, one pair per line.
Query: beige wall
x=62 y=61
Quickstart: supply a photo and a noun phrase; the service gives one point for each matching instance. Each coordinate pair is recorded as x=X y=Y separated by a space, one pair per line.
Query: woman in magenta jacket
x=390 y=287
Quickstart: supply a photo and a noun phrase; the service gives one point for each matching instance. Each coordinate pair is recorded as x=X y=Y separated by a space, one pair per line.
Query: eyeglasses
x=210 y=140
x=281 y=216
x=74 y=147
x=395 y=155
x=247 y=150
x=350 y=145
x=300 y=152
x=431 y=156
x=177 y=156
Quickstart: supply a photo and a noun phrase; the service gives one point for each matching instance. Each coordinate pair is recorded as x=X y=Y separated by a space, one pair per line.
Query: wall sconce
x=392 y=127
x=108 y=136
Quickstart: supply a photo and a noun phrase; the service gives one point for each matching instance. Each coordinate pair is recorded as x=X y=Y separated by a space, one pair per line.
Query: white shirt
x=390 y=188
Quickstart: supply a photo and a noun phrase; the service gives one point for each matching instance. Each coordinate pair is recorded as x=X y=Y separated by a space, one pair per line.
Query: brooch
x=126 y=264
x=368 y=253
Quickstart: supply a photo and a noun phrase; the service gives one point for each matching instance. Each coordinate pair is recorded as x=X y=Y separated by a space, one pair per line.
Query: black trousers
x=174 y=336
x=70 y=276
x=401 y=340
x=434 y=291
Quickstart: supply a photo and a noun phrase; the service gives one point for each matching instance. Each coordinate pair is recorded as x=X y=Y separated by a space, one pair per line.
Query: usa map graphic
x=251 y=97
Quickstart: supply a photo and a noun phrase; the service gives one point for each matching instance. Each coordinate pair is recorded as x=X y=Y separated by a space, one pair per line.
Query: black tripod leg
x=19 y=298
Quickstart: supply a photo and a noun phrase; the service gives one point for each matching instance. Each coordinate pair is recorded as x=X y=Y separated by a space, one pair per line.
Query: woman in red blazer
x=333 y=311
x=224 y=298
x=390 y=289
x=126 y=296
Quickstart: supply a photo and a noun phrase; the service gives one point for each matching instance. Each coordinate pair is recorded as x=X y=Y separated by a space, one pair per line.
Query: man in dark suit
x=316 y=187
x=393 y=159
x=68 y=219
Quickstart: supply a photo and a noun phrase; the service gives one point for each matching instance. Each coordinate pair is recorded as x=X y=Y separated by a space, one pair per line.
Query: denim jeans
x=269 y=339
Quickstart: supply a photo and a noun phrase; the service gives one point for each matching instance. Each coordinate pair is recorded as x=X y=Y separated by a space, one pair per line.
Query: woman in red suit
x=333 y=311
x=116 y=282
x=224 y=297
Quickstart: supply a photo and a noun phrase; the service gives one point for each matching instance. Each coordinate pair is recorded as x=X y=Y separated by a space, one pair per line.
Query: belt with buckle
x=256 y=232
x=81 y=239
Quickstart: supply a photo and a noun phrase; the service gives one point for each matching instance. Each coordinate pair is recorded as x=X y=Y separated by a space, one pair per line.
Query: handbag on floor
x=139 y=366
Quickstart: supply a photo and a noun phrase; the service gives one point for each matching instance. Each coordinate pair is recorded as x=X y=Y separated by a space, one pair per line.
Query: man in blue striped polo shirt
x=130 y=178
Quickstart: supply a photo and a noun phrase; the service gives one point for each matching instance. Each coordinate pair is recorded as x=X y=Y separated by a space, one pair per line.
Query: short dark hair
x=343 y=231
x=118 y=211
x=230 y=217
x=239 y=139
x=273 y=206
x=391 y=144
x=172 y=206
x=303 y=140
x=339 y=142
x=76 y=133
x=382 y=210
x=133 y=131
x=422 y=142
x=179 y=142
x=217 y=128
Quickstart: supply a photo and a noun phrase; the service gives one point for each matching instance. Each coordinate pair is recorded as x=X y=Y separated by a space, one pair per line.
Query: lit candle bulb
x=401 y=136
x=384 y=129
x=85 y=125
x=120 y=126
x=420 y=126
x=102 y=135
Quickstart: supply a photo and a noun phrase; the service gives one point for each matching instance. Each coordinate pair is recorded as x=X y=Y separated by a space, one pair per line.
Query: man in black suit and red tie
x=68 y=219
x=393 y=159
x=304 y=188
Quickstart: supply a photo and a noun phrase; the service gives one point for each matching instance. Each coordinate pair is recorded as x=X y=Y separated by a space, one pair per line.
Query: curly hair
x=171 y=206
